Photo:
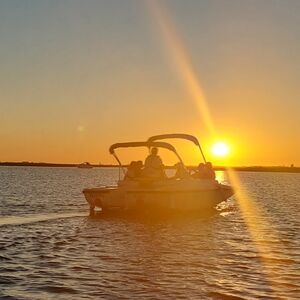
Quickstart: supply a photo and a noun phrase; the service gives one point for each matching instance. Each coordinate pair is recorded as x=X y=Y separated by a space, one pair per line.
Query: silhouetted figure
x=134 y=170
x=205 y=171
x=130 y=174
x=200 y=172
x=154 y=167
x=181 y=171
x=209 y=171
x=139 y=168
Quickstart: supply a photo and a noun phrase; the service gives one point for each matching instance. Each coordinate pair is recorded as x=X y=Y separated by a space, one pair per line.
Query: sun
x=220 y=149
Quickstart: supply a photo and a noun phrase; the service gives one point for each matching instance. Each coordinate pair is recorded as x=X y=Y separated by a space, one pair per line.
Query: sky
x=77 y=76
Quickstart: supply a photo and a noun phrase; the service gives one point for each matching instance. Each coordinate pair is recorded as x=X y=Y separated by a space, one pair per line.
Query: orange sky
x=78 y=76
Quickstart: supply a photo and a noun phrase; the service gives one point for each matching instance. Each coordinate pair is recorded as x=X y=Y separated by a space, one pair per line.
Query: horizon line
x=279 y=168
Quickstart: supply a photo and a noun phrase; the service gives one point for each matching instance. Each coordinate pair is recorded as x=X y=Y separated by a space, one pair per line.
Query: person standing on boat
x=154 y=167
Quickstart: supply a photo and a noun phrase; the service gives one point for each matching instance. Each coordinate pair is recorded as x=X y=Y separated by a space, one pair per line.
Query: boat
x=85 y=165
x=161 y=194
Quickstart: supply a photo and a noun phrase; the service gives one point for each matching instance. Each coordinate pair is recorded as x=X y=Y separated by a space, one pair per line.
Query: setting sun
x=220 y=149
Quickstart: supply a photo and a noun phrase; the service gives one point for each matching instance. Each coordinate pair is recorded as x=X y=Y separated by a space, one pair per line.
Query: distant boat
x=85 y=165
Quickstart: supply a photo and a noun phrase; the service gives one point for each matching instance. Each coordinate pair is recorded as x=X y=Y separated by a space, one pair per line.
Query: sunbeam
x=180 y=57
x=253 y=217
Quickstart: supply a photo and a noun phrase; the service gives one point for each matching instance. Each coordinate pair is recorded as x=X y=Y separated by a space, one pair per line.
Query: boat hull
x=160 y=199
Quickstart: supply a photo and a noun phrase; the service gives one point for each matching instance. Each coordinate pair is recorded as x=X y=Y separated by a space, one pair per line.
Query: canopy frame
x=179 y=136
x=147 y=144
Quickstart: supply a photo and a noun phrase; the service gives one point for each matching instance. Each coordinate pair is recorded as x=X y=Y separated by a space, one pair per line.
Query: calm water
x=51 y=249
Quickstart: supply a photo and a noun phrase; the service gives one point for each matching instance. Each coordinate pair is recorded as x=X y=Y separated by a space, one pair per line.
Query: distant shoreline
x=242 y=169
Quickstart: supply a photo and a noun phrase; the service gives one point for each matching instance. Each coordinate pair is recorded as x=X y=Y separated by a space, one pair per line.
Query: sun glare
x=220 y=149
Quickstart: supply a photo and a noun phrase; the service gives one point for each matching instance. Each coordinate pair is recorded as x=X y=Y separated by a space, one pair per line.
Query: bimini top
x=174 y=136
x=148 y=144
x=178 y=136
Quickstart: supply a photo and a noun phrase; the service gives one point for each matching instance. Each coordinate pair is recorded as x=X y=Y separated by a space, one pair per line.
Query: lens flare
x=180 y=59
x=259 y=229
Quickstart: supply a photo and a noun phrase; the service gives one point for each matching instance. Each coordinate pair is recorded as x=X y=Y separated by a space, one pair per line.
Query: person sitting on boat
x=205 y=171
x=134 y=170
x=209 y=171
x=154 y=167
x=181 y=171
x=130 y=174
x=138 y=168
x=200 y=172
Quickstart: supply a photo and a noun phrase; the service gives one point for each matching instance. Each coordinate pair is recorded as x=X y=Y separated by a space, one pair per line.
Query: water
x=51 y=249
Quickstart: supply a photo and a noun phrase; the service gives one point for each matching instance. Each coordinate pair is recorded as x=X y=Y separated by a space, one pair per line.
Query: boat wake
x=27 y=219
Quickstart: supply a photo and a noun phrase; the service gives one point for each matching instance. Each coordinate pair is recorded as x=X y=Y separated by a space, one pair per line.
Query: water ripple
x=51 y=249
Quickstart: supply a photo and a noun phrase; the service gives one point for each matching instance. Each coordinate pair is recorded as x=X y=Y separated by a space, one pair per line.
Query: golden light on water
x=261 y=233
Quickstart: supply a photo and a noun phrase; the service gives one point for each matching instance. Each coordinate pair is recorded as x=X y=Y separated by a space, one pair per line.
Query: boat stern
x=226 y=190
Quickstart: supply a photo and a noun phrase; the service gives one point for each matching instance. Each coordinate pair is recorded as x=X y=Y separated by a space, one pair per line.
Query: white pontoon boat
x=148 y=194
